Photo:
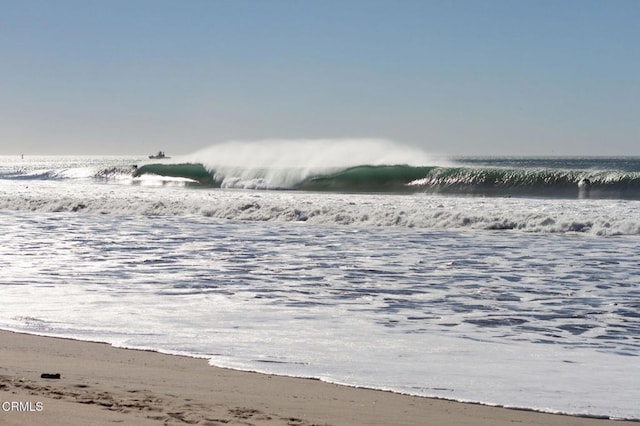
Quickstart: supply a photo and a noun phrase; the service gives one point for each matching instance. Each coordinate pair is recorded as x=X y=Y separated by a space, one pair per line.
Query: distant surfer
x=584 y=183
x=584 y=188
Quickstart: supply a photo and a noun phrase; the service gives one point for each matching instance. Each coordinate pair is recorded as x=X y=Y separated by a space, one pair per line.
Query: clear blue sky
x=516 y=77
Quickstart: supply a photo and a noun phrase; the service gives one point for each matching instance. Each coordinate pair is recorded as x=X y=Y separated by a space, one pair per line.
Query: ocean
x=504 y=281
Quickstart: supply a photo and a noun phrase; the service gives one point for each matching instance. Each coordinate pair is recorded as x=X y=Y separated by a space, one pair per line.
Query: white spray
x=282 y=163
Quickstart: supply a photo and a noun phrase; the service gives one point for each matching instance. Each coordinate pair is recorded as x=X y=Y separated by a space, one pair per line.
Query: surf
x=284 y=163
x=382 y=166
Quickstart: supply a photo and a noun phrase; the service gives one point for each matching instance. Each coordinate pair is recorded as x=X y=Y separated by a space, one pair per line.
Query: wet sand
x=103 y=385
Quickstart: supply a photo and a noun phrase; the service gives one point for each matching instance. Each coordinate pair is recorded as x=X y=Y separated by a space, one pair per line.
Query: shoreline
x=100 y=384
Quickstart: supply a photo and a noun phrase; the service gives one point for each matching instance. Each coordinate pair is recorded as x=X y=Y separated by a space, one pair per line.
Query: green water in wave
x=468 y=179
x=195 y=172
x=367 y=178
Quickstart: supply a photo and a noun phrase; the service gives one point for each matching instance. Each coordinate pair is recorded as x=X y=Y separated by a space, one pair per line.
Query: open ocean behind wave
x=505 y=281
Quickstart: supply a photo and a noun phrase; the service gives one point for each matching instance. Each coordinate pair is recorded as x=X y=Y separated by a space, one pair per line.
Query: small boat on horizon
x=158 y=156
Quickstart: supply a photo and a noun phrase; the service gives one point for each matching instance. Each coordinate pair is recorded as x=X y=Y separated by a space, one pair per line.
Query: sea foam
x=420 y=211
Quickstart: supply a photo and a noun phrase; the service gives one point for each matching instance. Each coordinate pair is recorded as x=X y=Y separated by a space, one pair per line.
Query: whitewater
x=488 y=292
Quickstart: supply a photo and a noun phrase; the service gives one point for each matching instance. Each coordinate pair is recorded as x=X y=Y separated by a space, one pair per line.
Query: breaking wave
x=402 y=178
x=372 y=165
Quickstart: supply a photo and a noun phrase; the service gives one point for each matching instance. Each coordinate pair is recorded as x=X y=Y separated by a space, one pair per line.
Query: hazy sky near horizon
x=530 y=77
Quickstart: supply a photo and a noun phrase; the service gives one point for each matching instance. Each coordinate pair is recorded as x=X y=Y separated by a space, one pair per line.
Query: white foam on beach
x=519 y=302
x=539 y=321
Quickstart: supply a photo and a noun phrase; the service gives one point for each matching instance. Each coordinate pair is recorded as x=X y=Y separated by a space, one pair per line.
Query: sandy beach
x=103 y=385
